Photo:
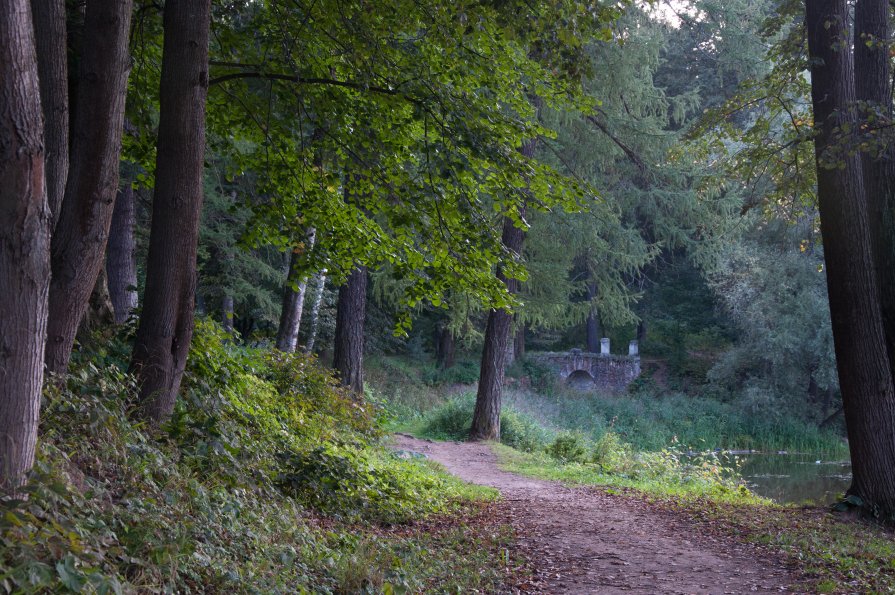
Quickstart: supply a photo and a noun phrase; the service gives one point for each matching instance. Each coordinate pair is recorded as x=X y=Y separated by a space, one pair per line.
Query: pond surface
x=796 y=478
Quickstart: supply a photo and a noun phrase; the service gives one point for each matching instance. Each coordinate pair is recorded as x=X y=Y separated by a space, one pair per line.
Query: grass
x=647 y=421
x=654 y=422
x=654 y=473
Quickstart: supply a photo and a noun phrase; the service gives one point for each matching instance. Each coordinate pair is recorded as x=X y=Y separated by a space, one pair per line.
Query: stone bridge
x=587 y=370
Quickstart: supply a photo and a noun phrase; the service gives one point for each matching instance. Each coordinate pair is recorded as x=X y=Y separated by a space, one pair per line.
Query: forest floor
x=596 y=540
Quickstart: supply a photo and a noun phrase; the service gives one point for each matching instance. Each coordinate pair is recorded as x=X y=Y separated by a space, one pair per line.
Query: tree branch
x=301 y=80
x=631 y=153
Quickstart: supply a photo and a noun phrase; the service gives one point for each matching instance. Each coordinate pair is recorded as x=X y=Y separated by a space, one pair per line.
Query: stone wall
x=605 y=371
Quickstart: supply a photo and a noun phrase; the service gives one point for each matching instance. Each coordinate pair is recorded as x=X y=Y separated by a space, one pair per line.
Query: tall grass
x=651 y=423
x=422 y=402
x=453 y=418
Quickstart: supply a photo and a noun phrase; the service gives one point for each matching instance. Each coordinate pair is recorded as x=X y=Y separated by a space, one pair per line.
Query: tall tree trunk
x=227 y=313
x=51 y=41
x=293 y=301
x=865 y=378
x=641 y=332
x=873 y=85
x=25 y=222
x=348 y=353
x=166 y=324
x=510 y=356
x=445 y=348
x=315 y=311
x=100 y=312
x=486 y=417
x=121 y=262
x=79 y=241
x=519 y=342
x=593 y=321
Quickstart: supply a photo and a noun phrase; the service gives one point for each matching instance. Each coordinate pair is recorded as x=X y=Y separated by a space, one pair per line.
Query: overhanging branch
x=301 y=80
x=632 y=155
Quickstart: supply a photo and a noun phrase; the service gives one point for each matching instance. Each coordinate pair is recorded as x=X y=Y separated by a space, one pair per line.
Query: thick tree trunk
x=227 y=313
x=594 y=331
x=121 y=262
x=315 y=311
x=873 y=85
x=348 y=354
x=293 y=302
x=79 y=241
x=865 y=377
x=25 y=222
x=51 y=40
x=486 y=417
x=166 y=324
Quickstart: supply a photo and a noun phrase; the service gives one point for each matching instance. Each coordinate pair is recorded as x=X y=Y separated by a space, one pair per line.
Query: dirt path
x=583 y=540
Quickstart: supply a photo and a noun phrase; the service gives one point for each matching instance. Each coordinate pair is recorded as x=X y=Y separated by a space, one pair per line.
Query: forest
x=401 y=296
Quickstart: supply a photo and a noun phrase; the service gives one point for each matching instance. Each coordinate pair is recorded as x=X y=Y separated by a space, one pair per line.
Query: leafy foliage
x=200 y=505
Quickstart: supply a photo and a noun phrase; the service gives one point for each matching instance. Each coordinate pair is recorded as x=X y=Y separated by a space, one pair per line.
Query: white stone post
x=604 y=346
x=633 y=348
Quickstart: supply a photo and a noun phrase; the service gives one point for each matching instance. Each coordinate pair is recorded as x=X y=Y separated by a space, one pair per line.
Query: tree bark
x=293 y=302
x=79 y=241
x=121 y=262
x=166 y=325
x=873 y=85
x=100 y=312
x=445 y=348
x=51 y=39
x=227 y=313
x=315 y=311
x=593 y=322
x=25 y=221
x=519 y=342
x=486 y=417
x=348 y=350
x=865 y=377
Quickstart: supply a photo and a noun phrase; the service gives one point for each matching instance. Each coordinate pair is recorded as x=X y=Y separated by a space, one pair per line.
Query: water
x=796 y=478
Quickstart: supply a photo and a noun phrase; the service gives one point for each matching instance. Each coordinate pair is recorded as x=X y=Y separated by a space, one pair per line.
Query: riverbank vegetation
x=540 y=406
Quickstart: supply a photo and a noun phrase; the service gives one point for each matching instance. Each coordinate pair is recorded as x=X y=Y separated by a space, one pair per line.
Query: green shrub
x=462 y=372
x=568 y=447
x=541 y=376
x=521 y=431
x=611 y=453
x=354 y=483
x=216 y=499
x=452 y=420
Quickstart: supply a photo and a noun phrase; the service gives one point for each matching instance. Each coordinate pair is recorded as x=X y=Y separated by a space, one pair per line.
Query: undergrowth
x=644 y=419
x=453 y=418
x=268 y=478
x=529 y=448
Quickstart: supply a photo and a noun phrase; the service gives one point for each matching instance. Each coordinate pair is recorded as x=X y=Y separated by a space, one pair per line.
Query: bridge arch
x=580 y=379
x=587 y=370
